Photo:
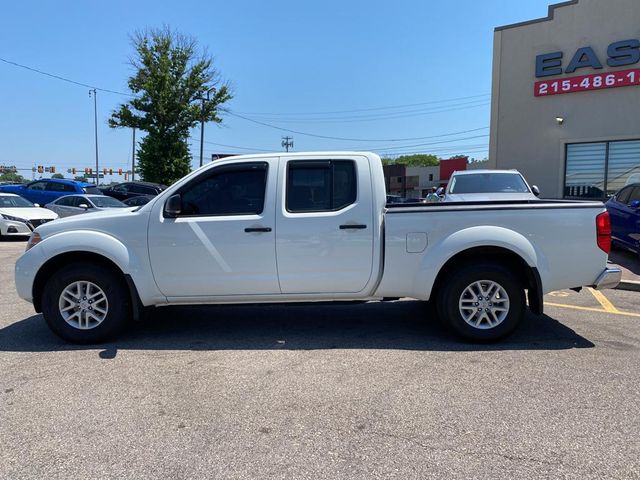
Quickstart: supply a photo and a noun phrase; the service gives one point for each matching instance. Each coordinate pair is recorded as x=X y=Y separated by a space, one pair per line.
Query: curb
x=629 y=286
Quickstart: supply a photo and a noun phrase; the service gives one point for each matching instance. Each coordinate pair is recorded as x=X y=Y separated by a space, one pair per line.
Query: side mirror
x=635 y=205
x=84 y=205
x=173 y=207
x=440 y=191
x=535 y=190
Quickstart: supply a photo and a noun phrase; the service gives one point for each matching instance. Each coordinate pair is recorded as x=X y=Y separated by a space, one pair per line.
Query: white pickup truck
x=305 y=227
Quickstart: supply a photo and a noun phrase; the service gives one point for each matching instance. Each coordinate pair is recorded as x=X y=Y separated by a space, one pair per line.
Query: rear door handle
x=257 y=229
x=352 y=227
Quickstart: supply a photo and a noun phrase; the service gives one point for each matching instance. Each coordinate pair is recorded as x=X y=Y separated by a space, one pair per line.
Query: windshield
x=107 y=202
x=7 y=201
x=92 y=190
x=489 y=183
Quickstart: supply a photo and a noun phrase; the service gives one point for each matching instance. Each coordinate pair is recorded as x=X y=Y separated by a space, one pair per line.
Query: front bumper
x=13 y=227
x=609 y=278
x=26 y=268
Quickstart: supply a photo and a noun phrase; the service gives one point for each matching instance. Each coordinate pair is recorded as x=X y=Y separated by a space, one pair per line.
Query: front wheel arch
x=56 y=263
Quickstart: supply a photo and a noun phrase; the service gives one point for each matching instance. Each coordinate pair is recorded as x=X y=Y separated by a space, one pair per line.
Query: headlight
x=15 y=219
x=34 y=239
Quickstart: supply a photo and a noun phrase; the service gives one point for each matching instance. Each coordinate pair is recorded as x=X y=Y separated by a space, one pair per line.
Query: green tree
x=57 y=175
x=417 y=160
x=172 y=76
x=80 y=179
x=11 y=177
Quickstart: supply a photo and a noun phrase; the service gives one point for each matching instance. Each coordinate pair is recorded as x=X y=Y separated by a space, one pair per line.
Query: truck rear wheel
x=482 y=302
x=84 y=303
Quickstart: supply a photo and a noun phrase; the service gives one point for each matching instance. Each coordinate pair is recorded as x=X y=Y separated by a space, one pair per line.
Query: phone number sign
x=584 y=83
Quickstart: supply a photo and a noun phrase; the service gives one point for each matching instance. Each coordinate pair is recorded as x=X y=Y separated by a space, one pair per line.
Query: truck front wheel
x=84 y=303
x=482 y=302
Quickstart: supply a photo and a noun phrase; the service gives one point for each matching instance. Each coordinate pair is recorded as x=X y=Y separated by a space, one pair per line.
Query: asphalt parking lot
x=347 y=391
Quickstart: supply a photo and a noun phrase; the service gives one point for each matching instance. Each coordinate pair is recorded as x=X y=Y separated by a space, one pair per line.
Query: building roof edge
x=550 y=16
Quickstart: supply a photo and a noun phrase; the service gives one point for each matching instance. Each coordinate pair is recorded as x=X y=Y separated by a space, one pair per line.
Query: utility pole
x=204 y=100
x=287 y=142
x=133 y=156
x=95 y=119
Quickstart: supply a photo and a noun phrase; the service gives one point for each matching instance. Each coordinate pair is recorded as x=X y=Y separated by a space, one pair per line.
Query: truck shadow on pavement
x=405 y=325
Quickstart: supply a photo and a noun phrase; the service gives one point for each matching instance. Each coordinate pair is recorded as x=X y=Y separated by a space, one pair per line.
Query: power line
x=427 y=144
x=361 y=148
x=473 y=150
x=350 y=139
x=74 y=82
x=384 y=116
x=440 y=149
x=373 y=108
x=443 y=149
x=236 y=146
x=68 y=80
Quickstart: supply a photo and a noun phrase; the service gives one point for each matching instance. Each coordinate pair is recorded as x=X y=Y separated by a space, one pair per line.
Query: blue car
x=47 y=190
x=624 y=210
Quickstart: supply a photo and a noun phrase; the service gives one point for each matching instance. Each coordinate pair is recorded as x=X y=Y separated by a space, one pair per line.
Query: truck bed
x=557 y=237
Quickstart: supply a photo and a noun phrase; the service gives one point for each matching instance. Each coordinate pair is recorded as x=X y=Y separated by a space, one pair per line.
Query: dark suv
x=122 y=191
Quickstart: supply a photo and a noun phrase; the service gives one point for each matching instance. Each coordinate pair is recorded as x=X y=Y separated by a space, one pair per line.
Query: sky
x=375 y=75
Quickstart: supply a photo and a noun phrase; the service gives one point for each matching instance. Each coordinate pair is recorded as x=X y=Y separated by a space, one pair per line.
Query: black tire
x=114 y=288
x=448 y=301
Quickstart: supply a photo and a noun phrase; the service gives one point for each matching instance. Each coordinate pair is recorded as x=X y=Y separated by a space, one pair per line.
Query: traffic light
x=119 y=171
x=91 y=171
x=52 y=169
x=73 y=170
x=86 y=171
x=111 y=171
x=126 y=177
x=40 y=169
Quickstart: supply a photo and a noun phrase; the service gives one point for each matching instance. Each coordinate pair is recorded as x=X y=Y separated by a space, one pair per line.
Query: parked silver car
x=77 y=204
x=489 y=185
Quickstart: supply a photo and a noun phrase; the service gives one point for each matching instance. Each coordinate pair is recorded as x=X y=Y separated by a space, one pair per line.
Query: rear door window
x=41 y=186
x=142 y=189
x=92 y=190
x=320 y=186
x=60 y=187
x=65 y=202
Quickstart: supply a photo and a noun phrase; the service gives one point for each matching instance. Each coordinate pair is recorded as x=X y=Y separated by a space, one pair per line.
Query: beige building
x=566 y=98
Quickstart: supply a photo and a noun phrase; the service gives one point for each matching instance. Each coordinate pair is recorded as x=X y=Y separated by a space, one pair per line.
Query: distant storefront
x=566 y=98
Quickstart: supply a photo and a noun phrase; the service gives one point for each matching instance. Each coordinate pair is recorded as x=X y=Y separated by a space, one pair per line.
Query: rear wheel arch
x=528 y=276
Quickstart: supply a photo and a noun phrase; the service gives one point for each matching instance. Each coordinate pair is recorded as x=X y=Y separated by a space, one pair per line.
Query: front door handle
x=352 y=227
x=257 y=229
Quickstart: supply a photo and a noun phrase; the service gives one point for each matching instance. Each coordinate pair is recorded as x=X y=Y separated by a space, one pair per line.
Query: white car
x=19 y=216
x=488 y=185
x=76 y=204
x=305 y=227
